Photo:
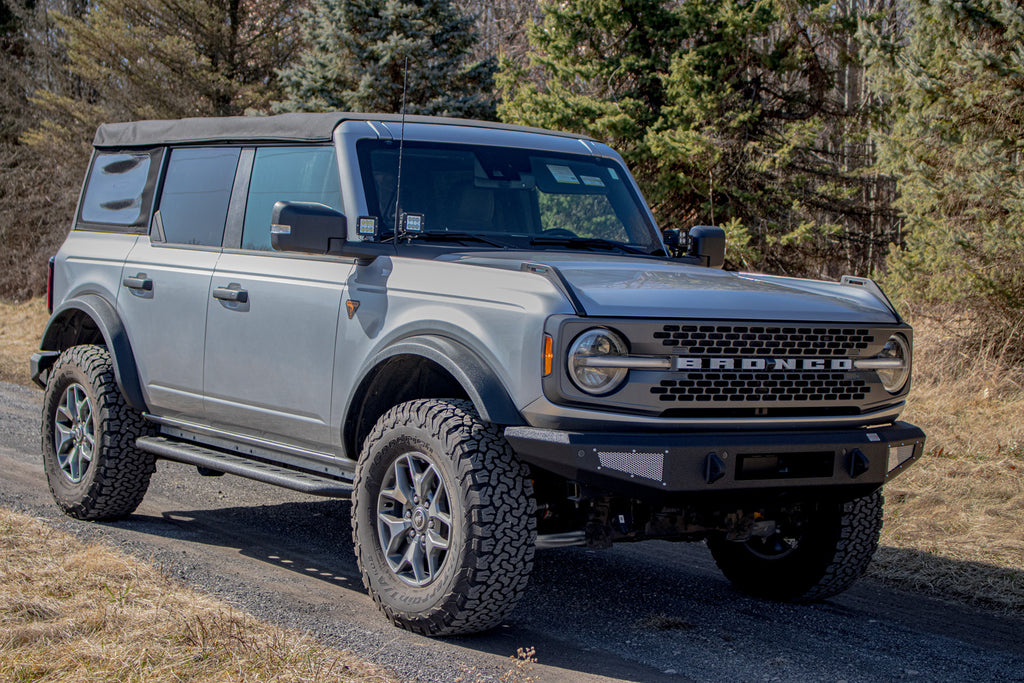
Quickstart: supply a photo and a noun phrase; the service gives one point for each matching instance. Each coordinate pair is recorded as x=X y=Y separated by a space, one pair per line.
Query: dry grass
x=953 y=521
x=21 y=327
x=71 y=612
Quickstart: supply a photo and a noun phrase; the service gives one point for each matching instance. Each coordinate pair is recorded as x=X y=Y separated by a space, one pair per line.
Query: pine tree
x=139 y=59
x=956 y=141
x=355 y=60
x=726 y=112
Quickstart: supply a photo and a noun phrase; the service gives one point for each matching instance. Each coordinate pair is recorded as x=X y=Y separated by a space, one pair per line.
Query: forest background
x=877 y=138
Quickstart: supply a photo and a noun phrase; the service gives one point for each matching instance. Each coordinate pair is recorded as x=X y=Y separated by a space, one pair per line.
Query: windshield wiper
x=456 y=237
x=586 y=243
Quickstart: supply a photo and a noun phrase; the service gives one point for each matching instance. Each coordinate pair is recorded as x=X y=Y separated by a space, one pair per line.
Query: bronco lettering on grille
x=684 y=363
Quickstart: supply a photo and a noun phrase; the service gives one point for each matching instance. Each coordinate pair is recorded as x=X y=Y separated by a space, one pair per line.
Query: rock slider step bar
x=193 y=454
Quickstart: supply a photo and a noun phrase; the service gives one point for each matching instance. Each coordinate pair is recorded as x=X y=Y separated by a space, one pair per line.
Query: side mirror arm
x=364 y=253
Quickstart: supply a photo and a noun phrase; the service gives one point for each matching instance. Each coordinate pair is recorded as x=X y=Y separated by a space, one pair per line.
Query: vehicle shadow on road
x=640 y=612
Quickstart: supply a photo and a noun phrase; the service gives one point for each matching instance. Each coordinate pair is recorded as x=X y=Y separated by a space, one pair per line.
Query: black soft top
x=280 y=128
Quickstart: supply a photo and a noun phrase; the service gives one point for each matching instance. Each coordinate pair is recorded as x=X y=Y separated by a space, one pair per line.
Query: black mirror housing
x=306 y=227
x=707 y=243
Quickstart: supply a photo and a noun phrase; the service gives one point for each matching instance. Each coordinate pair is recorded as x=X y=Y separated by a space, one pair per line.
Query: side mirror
x=306 y=227
x=707 y=244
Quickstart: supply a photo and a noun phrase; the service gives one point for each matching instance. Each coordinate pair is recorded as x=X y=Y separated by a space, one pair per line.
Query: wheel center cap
x=419 y=519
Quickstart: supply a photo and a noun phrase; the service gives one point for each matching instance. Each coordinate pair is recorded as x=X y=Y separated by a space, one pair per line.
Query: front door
x=272 y=326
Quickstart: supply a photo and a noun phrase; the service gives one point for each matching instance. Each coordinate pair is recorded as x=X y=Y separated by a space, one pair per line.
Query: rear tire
x=94 y=470
x=442 y=519
x=822 y=559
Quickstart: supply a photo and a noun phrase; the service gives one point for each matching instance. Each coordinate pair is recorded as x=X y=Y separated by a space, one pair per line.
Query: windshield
x=511 y=197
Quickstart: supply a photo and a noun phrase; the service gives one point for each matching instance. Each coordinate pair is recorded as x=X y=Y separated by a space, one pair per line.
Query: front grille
x=758 y=340
x=711 y=387
x=738 y=369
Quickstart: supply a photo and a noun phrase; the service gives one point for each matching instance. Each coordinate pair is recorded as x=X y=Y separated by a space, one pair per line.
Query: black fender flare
x=478 y=380
x=114 y=336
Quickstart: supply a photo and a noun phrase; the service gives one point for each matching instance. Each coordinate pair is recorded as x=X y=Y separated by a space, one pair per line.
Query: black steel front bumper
x=706 y=462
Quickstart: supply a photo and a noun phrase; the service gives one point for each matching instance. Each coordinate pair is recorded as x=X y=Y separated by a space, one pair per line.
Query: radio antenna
x=401 y=148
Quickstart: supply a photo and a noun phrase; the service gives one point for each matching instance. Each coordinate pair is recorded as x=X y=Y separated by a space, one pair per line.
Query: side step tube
x=562 y=540
x=193 y=454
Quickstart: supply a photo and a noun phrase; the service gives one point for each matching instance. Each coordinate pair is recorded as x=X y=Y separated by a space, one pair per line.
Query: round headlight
x=596 y=343
x=893 y=379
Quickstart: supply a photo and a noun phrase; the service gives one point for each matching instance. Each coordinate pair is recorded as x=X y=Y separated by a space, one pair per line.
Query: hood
x=615 y=286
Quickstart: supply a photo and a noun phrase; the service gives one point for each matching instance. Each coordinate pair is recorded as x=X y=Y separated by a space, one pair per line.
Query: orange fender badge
x=352 y=307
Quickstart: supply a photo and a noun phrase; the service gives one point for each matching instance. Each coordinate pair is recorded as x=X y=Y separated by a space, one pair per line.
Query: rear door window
x=195 y=196
x=294 y=174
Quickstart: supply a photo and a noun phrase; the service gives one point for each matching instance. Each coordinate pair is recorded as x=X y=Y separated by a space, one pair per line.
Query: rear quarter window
x=118 y=194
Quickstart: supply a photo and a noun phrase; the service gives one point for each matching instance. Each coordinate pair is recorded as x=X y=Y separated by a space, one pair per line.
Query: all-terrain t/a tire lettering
x=88 y=438
x=832 y=550
x=477 y=542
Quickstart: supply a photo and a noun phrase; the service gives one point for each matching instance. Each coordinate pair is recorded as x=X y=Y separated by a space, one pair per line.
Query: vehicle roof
x=298 y=127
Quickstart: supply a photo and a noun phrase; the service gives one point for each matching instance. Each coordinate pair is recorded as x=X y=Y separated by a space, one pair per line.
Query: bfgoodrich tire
x=442 y=520
x=88 y=438
x=830 y=552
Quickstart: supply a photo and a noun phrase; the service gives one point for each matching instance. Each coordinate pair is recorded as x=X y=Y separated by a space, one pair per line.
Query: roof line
x=295 y=127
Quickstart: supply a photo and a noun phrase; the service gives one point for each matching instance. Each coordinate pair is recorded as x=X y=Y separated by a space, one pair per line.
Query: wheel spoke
x=75 y=464
x=404 y=478
x=434 y=557
x=439 y=507
x=84 y=410
x=71 y=403
x=436 y=542
x=417 y=480
x=396 y=494
x=430 y=484
x=64 y=437
x=416 y=562
x=397 y=528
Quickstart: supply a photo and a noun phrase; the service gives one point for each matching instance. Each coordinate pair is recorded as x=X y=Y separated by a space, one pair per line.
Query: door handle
x=139 y=281
x=227 y=294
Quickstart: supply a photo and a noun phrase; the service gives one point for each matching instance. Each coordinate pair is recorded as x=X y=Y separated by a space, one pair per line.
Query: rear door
x=166 y=278
x=271 y=339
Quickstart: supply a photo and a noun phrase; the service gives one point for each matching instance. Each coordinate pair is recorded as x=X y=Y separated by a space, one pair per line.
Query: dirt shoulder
x=21 y=327
x=78 y=612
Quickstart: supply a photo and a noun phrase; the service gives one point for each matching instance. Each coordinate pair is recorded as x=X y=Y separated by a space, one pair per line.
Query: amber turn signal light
x=549 y=354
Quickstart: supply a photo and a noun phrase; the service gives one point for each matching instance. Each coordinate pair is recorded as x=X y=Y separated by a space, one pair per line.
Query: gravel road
x=648 y=612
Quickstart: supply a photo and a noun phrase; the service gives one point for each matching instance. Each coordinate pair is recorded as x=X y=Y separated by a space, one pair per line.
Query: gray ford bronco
x=477 y=332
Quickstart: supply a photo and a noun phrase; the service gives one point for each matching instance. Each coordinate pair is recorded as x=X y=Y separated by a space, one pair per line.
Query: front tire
x=830 y=551
x=442 y=521
x=93 y=468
